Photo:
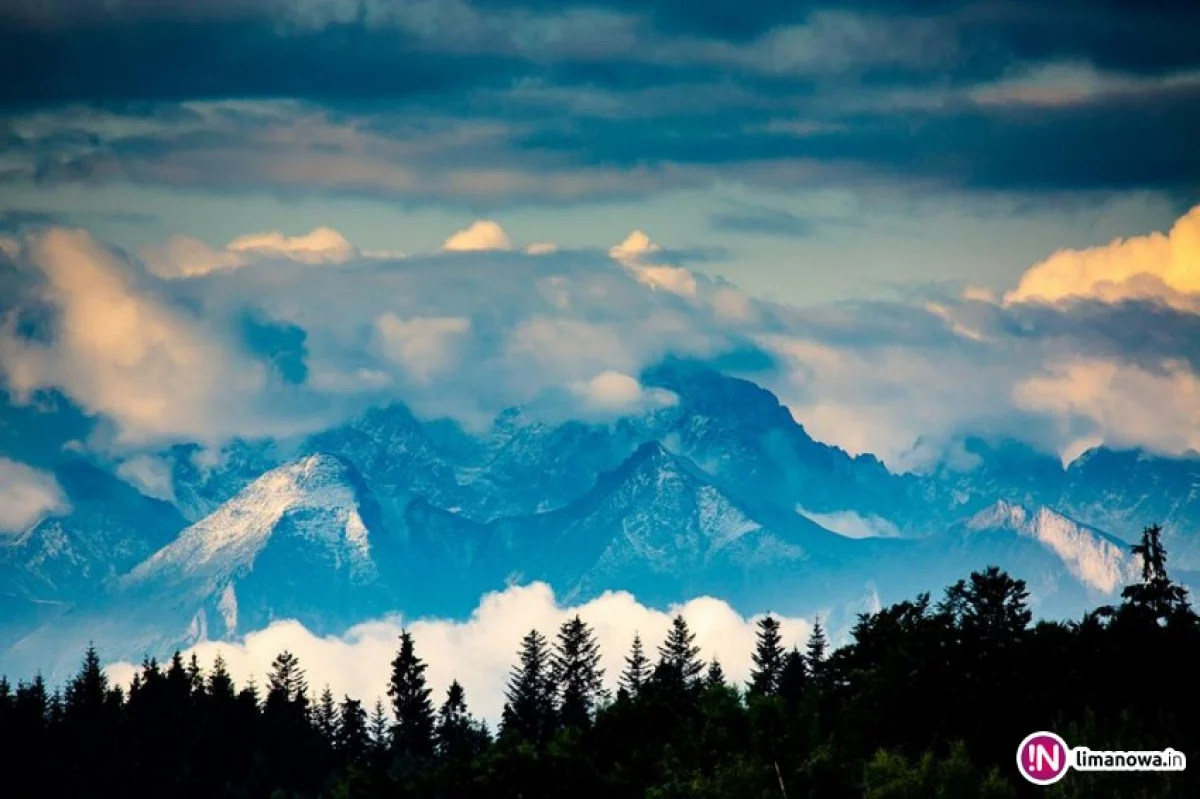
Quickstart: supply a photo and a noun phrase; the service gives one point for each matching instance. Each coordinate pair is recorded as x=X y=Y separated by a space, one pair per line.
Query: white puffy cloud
x=122 y=351
x=616 y=393
x=1164 y=267
x=1119 y=403
x=480 y=651
x=636 y=253
x=423 y=346
x=483 y=234
x=26 y=496
x=184 y=256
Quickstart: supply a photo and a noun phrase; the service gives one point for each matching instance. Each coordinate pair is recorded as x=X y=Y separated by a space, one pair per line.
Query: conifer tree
x=325 y=715
x=678 y=655
x=459 y=737
x=195 y=676
x=220 y=683
x=715 y=678
x=637 y=668
x=286 y=679
x=576 y=674
x=793 y=678
x=529 y=709
x=87 y=692
x=768 y=658
x=1156 y=595
x=815 y=651
x=412 y=734
x=380 y=728
x=353 y=739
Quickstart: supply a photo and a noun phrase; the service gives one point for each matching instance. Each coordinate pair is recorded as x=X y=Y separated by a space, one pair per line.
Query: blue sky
x=913 y=211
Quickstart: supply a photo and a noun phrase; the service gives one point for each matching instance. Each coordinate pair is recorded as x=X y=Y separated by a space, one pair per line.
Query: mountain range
x=719 y=492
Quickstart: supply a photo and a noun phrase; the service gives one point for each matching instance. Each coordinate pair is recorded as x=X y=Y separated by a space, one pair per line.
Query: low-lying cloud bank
x=275 y=334
x=480 y=651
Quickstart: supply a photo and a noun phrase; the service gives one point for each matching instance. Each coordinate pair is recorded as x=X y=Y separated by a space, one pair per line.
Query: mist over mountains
x=715 y=490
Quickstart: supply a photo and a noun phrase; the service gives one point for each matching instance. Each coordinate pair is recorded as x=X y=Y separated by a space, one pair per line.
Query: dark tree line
x=927 y=700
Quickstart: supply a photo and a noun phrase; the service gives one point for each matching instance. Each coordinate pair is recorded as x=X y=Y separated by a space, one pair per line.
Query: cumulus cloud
x=1157 y=266
x=1122 y=404
x=423 y=346
x=637 y=252
x=26 y=496
x=481 y=650
x=184 y=256
x=616 y=393
x=120 y=350
x=483 y=234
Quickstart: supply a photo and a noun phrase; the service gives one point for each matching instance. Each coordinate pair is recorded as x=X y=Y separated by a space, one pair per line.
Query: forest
x=927 y=699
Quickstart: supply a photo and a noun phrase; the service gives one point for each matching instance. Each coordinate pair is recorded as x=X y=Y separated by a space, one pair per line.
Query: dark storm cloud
x=667 y=94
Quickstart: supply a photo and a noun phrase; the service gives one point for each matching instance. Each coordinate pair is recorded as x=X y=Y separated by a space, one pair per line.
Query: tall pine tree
x=529 y=709
x=768 y=658
x=459 y=737
x=412 y=734
x=576 y=673
x=678 y=655
x=637 y=668
x=815 y=652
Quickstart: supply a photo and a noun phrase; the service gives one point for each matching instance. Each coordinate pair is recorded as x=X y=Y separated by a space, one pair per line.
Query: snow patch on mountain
x=315 y=494
x=851 y=524
x=1088 y=554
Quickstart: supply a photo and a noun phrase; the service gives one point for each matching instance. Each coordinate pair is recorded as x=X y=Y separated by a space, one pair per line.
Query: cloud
x=1123 y=404
x=635 y=253
x=423 y=346
x=852 y=525
x=483 y=234
x=481 y=650
x=26 y=496
x=616 y=393
x=150 y=474
x=122 y=350
x=185 y=257
x=1155 y=266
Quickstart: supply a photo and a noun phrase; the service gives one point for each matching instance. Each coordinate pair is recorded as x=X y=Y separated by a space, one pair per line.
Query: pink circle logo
x=1042 y=758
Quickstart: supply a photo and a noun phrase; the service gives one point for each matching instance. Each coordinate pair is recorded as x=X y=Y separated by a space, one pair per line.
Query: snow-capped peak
x=1098 y=560
x=318 y=495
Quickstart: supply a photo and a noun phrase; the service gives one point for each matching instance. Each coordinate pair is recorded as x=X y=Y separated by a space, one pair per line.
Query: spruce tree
x=87 y=692
x=286 y=680
x=768 y=658
x=459 y=737
x=815 y=651
x=220 y=684
x=576 y=674
x=529 y=709
x=380 y=728
x=715 y=678
x=793 y=678
x=679 y=655
x=325 y=716
x=412 y=734
x=353 y=739
x=637 y=668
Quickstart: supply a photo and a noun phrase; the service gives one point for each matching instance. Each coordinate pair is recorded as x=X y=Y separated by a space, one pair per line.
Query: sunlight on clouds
x=1129 y=404
x=120 y=350
x=480 y=651
x=149 y=474
x=483 y=234
x=635 y=252
x=184 y=256
x=1155 y=266
x=26 y=496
